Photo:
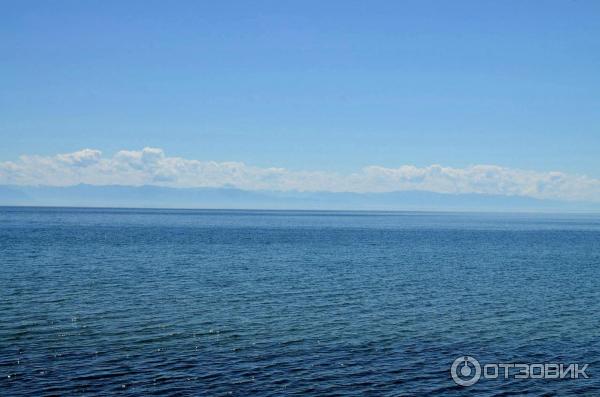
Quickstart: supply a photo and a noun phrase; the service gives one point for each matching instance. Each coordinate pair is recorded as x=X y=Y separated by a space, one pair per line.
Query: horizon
x=152 y=167
x=161 y=197
x=311 y=211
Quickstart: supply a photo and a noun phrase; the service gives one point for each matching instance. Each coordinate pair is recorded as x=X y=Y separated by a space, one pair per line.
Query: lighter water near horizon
x=261 y=303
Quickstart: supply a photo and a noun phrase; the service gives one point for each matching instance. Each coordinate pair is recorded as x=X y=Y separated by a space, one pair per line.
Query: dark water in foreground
x=145 y=302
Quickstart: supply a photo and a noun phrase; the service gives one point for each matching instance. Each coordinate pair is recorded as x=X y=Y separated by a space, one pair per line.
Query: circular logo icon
x=465 y=371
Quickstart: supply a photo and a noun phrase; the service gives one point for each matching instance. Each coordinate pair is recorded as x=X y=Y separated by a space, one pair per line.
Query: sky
x=325 y=89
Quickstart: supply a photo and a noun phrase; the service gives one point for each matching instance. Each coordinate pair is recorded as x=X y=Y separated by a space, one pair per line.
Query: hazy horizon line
x=150 y=166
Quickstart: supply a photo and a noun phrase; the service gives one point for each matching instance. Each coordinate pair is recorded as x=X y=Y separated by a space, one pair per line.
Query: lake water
x=244 y=303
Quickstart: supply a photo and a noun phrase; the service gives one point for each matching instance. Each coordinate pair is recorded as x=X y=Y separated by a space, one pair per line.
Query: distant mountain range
x=227 y=198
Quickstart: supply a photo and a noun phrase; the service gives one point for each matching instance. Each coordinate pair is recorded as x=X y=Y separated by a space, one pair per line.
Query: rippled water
x=151 y=302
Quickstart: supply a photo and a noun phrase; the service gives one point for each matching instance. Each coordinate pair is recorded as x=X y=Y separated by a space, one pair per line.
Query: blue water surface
x=263 y=303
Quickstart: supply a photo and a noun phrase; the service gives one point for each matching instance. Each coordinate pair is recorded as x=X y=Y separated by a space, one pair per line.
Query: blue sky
x=331 y=86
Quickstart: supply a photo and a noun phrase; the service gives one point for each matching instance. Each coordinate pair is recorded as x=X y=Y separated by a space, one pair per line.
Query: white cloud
x=82 y=158
x=151 y=166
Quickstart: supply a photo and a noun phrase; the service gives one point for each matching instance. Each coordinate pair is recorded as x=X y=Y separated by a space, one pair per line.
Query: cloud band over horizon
x=150 y=166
